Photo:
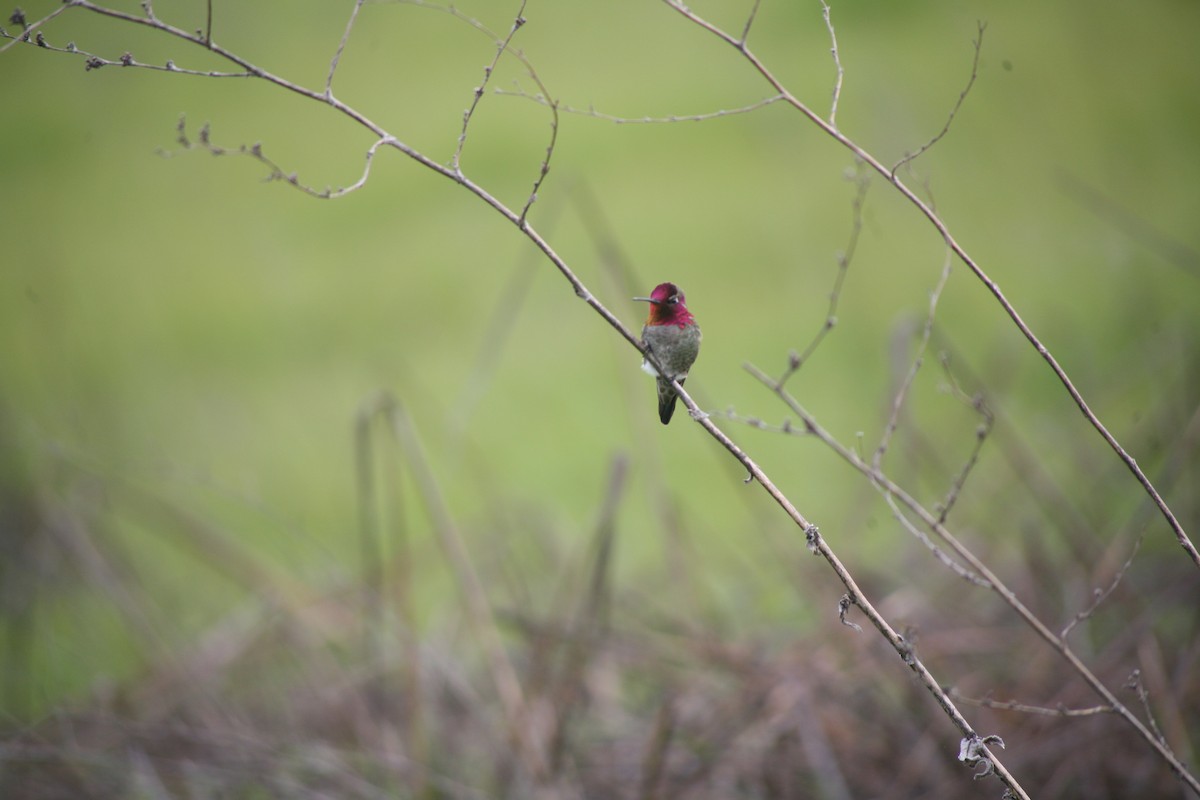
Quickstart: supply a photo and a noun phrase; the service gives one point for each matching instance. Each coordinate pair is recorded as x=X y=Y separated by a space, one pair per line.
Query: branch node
x=907 y=647
x=812 y=539
x=844 y=606
x=972 y=751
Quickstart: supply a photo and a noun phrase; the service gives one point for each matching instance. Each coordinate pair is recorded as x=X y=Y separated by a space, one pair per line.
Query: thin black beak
x=647 y=300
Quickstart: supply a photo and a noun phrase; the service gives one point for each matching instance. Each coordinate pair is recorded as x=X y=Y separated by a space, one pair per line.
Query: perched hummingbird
x=672 y=335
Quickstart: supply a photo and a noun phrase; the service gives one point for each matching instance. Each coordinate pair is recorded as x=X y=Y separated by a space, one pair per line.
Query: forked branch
x=943 y=230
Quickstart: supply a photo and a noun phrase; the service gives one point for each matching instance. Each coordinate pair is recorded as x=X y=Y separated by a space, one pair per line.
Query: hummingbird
x=672 y=335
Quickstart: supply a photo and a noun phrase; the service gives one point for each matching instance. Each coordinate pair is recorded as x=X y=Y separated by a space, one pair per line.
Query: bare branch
x=29 y=28
x=593 y=113
x=837 y=63
x=818 y=546
x=503 y=45
x=477 y=94
x=797 y=360
x=93 y=61
x=981 y=433
x=954 y=111
x=1057 y=643
x=938 y=553
x=337 y=56
x=750 y=21
x=277 y=173
x=544 y=169
x=944 y=231
x=1135 y=683
x=918 y=360
x=1012 y=705
x=1100 y=595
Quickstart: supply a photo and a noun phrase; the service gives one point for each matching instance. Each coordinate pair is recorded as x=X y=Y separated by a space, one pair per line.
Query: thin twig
x=837 y=63
x=503 y=45
x=544 y=168
x=908 y=157
x=938 y=553
x=750 y=21
x=337 y=55
x=981 y=434
x=1013 y=705
x=844 y=259
x=477 y=94
x=94 y=62
x=1100 y=595
x=919 y=359
x=941 y=555
x=29 y=28
x=256 y=152
x=1135 y=683
x=594 y=114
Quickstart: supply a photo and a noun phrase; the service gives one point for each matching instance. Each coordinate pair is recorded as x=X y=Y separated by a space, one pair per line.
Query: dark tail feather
x=666 y=401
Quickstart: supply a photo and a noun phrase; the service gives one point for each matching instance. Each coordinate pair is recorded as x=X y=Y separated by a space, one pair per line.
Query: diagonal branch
x=953 y=112
x=837 y=63
x=503 y=45
x=906 y=384
x=477 y=95
x=928 y=212
x=887 y=487
x=818 y=545
x=844 y=259
x=592 y=111
x=337 y=55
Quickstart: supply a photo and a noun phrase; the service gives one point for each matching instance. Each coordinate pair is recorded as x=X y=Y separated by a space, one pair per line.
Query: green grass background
x=177 y=326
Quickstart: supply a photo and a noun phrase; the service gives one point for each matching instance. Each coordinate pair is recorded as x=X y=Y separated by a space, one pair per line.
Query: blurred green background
x=181 y=341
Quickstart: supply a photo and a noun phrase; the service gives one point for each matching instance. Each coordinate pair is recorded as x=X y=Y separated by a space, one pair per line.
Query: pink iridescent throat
x=670 y=314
